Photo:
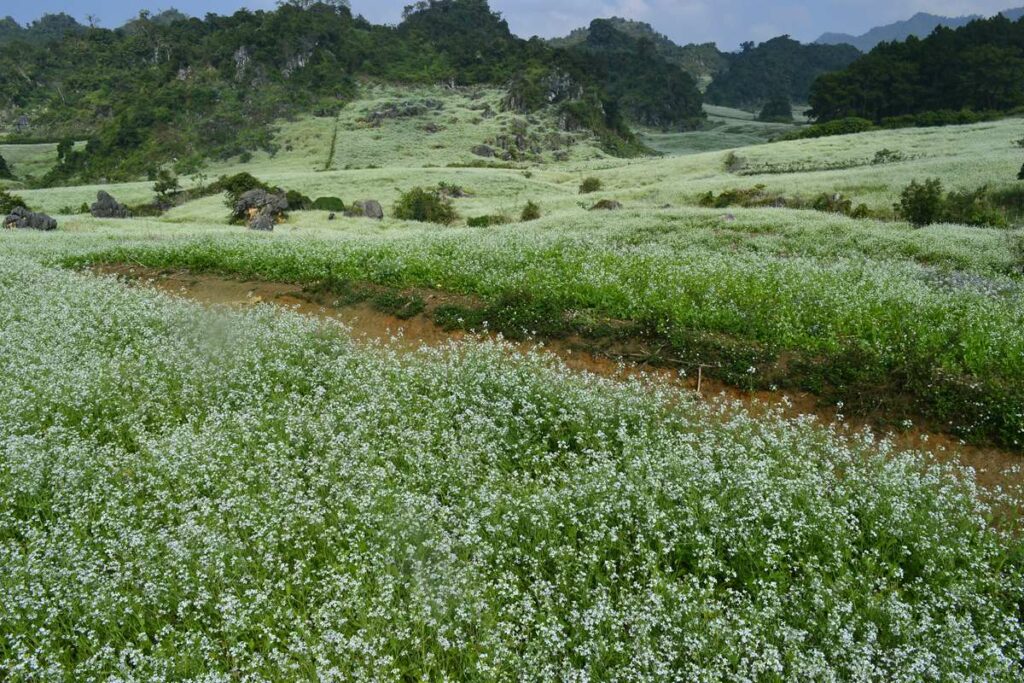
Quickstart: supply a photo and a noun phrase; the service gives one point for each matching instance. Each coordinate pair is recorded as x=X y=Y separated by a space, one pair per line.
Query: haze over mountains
x=920 y=25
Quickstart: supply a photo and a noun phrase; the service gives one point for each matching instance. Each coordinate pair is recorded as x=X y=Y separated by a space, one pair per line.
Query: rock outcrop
x=483 y=151
x=368 y=208
x=23 y=219
x=106 y=206
x=260 y=203
x=607 y=205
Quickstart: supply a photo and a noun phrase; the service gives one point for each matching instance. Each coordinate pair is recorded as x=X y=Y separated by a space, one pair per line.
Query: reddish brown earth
x=994 y=467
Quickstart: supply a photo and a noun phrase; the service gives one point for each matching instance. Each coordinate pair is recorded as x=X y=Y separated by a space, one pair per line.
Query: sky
x=726 y=22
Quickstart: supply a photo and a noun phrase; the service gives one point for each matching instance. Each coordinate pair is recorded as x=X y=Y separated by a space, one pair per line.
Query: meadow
x=214 y=494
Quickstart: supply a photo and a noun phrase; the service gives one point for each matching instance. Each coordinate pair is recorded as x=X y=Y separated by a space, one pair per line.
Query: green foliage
x=235 y=186
x=486 y=221
x=427 y=206
x=979 y=67
x=887 y=156
x=780 y=67
x=1020 y=173
x=531 y=212
x=972 y=207
x=778 y=109
x=9 y=201
x=848 y=126
x=921 y=204
x=5 y=170
x=329 y=204
x=298 y=201
x=589 y=185
x=167 y=186
x=759 y=196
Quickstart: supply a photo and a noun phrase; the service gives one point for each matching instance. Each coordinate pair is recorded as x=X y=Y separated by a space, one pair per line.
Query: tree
x=921 y=204
x=778 y=109
x=166 y=186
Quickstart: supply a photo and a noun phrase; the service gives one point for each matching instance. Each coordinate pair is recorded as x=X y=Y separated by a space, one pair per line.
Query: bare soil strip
x=995 y=467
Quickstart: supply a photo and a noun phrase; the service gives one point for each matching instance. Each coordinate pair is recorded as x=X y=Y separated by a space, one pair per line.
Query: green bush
x=921 y=204
x=5 y=170
x=235 y=186
x=486 y=221
x=298 y=201
x=166 y=186
x=9 y=201
x=590 y=185
x=531 y=212
x=846 y=126
x=427 y=206
x=329 y=204
x=972 y=207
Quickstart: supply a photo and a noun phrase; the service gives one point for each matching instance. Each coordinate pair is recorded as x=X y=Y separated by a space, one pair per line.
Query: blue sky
x=727 y=22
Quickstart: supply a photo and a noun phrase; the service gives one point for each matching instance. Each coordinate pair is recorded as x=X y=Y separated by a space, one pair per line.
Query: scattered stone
x=106 y=206
x=432 y=128
x=368 y=208
x=23 y=219
x=401 y=110
x=607 y=205
x=729 y=218
x=483 y=151
x=331 y=216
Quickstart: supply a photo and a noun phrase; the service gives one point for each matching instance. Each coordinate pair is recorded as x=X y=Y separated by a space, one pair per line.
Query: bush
x=9 y=201
x=531 y=212
x=298 y=201
x=427 y=206
x=972 y=207
x=887 y=156
x=921 y=204
x=329 y=204
x=5 y=170
x=847 y=126
x=734 y=163
x=1020 y=173
x=237 y=185
x=590 y=185
x=166 y=186
x=486 y=221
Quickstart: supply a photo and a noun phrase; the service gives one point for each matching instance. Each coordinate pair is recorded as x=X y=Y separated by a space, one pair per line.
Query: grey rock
x=256 y=202
x=483 y=151
x=106 y=206
x=368 y=208
x=263 y=223
x=23 y=219
x=607 y=205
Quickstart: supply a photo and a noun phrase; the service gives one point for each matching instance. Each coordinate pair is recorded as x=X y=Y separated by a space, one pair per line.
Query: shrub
x=1020 y=173
x=847 y=126
x=427 y=206
x=166 y=186
x=486 y=221
x=832 y=203
x=531 y=212
x=5 y=170
x=9 y=201
x=887 y=156
x=590 y=185
x=298 y=201
x=921 y=204
x=329 y=204
x=237 y=185
x=734 y=163
x=1010 y=200
x=972 y=207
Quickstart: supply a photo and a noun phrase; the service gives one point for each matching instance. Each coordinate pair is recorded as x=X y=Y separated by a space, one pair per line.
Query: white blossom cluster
x=207 y=495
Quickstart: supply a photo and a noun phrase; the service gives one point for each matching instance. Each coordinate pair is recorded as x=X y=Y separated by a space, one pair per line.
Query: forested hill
x=703 y=62
x=920 y=25
x=779 y=68
x=979 y=67
x=172 y=87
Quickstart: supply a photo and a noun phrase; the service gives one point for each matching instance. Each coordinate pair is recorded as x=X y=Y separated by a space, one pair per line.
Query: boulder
x=483 y=151
x=368 y=208
x=263 y=222
x=106 y=206
x=256 y=202
x=23 y=219
x=607 y=205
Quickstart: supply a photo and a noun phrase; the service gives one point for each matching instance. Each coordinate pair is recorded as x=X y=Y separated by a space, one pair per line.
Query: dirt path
x=994 y=466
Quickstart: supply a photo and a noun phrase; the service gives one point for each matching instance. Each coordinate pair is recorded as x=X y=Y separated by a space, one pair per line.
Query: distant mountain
x=920 y=25
x=703 y=62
